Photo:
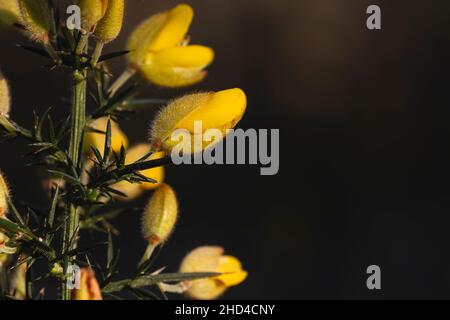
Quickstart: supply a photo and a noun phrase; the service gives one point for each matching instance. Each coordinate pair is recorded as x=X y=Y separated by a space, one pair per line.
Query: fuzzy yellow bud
x=134 y=190
x=97 y=140
x=5 y=99
x=18 y=282
x=9 y=12
x=215 y=110
x=108 y=28
x=92 y=11
x=89 y=287
x=212 y=259
x=4 y=195
x=37 y=19
x=159 y=51
x=4 y=256
x=160 y=215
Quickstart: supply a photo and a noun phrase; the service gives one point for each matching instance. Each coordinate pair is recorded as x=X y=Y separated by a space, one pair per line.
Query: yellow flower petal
x=221 y=110
x=211 y=259
x=232 y=269
x=174 y=29
x=89 y=287
x=97 y=140
x=172 y=77
x=194 y=56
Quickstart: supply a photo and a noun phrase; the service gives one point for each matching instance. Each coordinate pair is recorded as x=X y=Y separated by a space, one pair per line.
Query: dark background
x=364 y=137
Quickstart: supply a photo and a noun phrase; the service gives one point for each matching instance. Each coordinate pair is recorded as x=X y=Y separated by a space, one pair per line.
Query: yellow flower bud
x=4 y=195
x=221 y=110
x=37 y=19
x=158 y=50
x=134 y=190
x=160 y=215
x=3 y=256
x=212 y=259
x=5 y=100
x=92 y=11
x=9 y=12
x=108 y=28
x=18 y=282
x=97 y=140
x=89 y=288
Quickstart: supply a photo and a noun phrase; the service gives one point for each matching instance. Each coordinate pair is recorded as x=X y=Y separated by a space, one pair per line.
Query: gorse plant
x=89 y=165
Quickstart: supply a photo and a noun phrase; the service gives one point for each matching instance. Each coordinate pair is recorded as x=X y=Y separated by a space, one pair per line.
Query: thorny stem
x=120 y=81
x=78 y=114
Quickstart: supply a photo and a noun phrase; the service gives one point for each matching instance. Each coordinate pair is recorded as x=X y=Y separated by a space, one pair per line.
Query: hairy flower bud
x=92 y=11
x=221 y=110
x=89 y=287
x=158 y=50
x=18 y=282
x=160 y=215
x=9 y=12
x=5 y=99
x=4 y=195
x=37 y=19
x=212 y=259
x=108 y=28
x=4 y=254
x=97 y=140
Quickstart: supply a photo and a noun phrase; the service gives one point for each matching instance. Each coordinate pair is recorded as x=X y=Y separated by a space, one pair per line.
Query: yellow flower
x=89 y=288
x=97 y=140
x=160 y=215
x=5 y=100
x=159 y=52
x=18 y=281
x=134 y=190
x=4 y=254
x=220 y=110
x=92 y=11
x=108 y=28
x=37 y=19
x=212 y=259
x=9 y=12
x=4 y=195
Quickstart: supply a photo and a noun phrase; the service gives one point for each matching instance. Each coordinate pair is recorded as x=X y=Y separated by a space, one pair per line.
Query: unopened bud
x=108 y=28
x=4 y=195
x=160 y=215
x=91 y=13
x=37 y=19
x=9 y=12
x=5 y=99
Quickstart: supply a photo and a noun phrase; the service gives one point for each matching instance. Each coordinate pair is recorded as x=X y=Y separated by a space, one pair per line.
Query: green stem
x=82 y=44
x=97 y=53
x=148 y=253
x=124 y=77
x=78 y=115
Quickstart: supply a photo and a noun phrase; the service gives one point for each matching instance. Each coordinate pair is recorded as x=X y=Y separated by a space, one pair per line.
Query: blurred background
x=364 y=120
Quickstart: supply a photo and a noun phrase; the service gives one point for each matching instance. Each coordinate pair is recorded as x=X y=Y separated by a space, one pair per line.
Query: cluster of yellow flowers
x=161 y=54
